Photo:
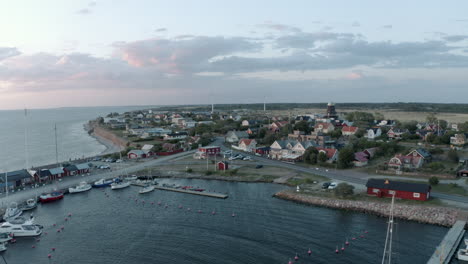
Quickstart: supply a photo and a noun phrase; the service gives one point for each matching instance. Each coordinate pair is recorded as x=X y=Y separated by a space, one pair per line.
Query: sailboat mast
x=26 y=138
x=387 y=256
x=56 y=145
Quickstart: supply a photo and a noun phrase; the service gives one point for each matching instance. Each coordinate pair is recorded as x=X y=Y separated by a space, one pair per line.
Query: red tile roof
x=247 y=142
x=330 y=152
x=349 y=129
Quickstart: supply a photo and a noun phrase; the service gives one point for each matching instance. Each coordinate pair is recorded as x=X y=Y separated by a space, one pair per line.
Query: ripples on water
x=116 y=229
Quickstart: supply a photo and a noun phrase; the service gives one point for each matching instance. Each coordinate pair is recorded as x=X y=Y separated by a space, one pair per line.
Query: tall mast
x=387 y=256
x=56 y=146
x=264 y=104
x=26 y=138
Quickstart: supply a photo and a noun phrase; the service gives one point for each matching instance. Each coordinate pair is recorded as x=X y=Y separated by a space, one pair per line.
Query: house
x=56 y=173
x=70 y=170
x=16 y=178
x=402 y=190
x=371 y=152
x=349 y=130
x=289 y=149
x=247 y=144
x=324 y=127
x=82 y=168
x=252 y=130
x=462 y=173
x=176 y=135
x=235 y=136
x=168 y=147
x=223 y=165
x=136 y=154
x=424 y=154
x=301 y=136
x=210 y=151
x=397 y=133
x=42 y=175
x=399 y=162
x=277 y=125
x=374 y=132
x=332 y=154
x=247 y=123
x=361 y=159
x=458 y=140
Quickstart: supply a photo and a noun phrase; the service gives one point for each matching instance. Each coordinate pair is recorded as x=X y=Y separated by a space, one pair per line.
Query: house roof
x=71 y=168
x=330 y=152
x=349 y=129
x=407 y=159
x=55 y=171
x=44 y=173
x=147 y=147
x=324 y=125
x=136 y=151
x=82 y=166
x=424 y=153
x=15 y=175
x=361 y=156
x=246 y=141
x=238 y=134
x=398 y=185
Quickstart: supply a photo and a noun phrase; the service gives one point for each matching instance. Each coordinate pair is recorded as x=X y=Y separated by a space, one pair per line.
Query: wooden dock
x=449 y=244
x=208 y=194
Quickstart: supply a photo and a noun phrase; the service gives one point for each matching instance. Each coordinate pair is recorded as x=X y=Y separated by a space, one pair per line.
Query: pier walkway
x=214 y=195
x=449 y=244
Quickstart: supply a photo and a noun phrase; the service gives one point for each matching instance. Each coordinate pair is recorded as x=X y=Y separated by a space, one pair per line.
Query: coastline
x=112 y=146
x=419 y=213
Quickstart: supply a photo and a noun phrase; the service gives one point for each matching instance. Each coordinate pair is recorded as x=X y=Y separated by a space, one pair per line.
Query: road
x=340 y=175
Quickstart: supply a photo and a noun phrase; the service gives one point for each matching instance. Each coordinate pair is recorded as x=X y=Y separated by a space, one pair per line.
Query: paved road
x=341 y=175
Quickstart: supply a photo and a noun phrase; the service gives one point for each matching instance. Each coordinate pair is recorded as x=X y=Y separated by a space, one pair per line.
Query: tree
x=431 y=118
x=452 y=155
x=262 y=133
x=343 y=190
x=322 y=157
x=443 y=124
x=335 y=134
x=410 y=125
x=345 y=157
x=310 y=155
x=302 y=126
x=433 y=180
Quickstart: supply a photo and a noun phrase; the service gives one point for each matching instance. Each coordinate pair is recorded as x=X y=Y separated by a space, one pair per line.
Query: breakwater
x=422 y=214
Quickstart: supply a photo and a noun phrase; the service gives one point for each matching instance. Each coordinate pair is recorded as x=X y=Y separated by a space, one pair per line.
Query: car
x=259 y=166
x=227 y=152
x=119 y=161
x=325 y=185
x=258 y=154
x=232 y=158
x=247 y=158
x=332 y=185
x=96 y=158
x=108 y=160
x=104 y=167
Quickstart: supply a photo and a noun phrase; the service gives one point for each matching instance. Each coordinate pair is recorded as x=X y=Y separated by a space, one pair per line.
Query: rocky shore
x=422 y=214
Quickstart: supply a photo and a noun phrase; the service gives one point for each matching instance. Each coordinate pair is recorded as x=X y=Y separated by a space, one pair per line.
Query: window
x=391 y=192
x=375 y=190
x=416 y=195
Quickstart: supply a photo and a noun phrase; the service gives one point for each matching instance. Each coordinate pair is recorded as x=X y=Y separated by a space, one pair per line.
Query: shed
x=223 y=165
x=403 y=190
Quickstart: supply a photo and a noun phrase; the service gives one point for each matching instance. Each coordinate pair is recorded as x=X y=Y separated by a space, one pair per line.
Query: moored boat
x=12 y=212
x=131 y=178
x=5 y=237
x=146 y=189
x=29 y=204
x=102 y=183
x=120 y=185
x=82 y=187
x=50 y=197
x=3 y=246
x=463 y=254
x=21 y=230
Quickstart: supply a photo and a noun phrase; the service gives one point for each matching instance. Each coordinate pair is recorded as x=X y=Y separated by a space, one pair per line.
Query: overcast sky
x=57 y=53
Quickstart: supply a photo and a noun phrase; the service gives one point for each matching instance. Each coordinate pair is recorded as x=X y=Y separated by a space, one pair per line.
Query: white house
x=372 y=133
x=247 y=145
x=235 y=136
x=176 y=135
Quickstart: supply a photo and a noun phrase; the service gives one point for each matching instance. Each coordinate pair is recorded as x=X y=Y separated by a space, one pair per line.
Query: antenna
x=264 y=104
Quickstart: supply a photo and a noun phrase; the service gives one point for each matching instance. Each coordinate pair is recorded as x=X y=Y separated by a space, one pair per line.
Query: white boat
x=146 y=189
x=12 y=212
x=29 y=204
x=5 y=237
x=119 y=185
x=82 y=187
x=131 y=178
x=466 y=242
x=21 y=230
x=463 y=254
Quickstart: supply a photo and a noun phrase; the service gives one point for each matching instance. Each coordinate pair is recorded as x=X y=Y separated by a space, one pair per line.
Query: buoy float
x=37 y=240
x=49 y=256
x=365 y=232
x=309 y=252
x=336 y=250
x=54 y=225
x=33 y=246
x=290 y=261
x=213 y=213
x=58 y=230
x=342 y=248
x=362 y=236
x=233 y=215
x=296 y=258
x=66 y=219
x=69 y=215
x=199 y=211
x=353 y=238
x=45 y=233
x=53 y=249
x=188 y=209
x=62 y=227
x=347 y=242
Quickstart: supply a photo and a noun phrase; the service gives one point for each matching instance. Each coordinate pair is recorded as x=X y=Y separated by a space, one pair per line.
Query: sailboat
x=387 y=256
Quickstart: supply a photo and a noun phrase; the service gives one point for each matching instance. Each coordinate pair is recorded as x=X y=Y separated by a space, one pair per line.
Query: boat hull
x=76 y=190
x=462 y=254
x=120 y=186
x=50 y=199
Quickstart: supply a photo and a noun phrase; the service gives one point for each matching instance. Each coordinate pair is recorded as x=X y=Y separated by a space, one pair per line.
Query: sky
x=58 y=53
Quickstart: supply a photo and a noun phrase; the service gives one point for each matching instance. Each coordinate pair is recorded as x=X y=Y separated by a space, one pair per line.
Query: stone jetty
x=423 y=214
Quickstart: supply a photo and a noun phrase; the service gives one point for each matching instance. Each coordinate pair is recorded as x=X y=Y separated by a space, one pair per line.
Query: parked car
x=325 y=185
x=227 y=152
x=104 y=167
x=97 y=159
x=332 y=185
x=247 y=158
x=258 y=154
x=259 y=166
x=119 y=161
x=108 y=160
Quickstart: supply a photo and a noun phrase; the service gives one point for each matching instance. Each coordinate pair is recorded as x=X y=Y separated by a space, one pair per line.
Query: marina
x=207 y=194
x=449 y=244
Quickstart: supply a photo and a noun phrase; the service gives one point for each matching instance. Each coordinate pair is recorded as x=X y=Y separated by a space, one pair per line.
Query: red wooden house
x=402 y=190
x=223 y=165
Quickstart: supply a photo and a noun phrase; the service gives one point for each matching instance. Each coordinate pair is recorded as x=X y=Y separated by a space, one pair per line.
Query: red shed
x=223 y=165
x=403 y=190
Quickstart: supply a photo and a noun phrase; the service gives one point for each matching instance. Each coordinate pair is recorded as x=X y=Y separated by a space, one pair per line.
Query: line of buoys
x=296 y=258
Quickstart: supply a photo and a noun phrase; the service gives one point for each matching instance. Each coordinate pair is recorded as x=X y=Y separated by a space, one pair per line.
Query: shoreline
x=441 y=216
x=110 y=145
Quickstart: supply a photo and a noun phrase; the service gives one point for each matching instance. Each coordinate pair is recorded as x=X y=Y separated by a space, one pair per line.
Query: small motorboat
x=5 y=237
x=21 y=230
x=82 y=187
x=12 y=212
x=102 y=183
x=50 y=197
x=29 y=204
x=463 y=254
x=146 y=189
x=120 y=185
x=131 y=178
x=197 y=189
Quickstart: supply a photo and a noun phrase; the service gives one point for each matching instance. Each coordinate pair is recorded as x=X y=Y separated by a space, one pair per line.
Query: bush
x=433 y=180
x=207 y=173
x=233 y=172
x=189 y=170
x=343 y=190
x=436 y=166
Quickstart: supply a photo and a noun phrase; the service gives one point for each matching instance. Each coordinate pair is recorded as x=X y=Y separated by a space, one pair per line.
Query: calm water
x=73 y=140
x=116 y=229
